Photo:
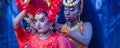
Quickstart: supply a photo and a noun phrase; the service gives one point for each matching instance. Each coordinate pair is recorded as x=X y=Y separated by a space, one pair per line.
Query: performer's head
x=72 y=9
x=41 y=22
x=43 y=11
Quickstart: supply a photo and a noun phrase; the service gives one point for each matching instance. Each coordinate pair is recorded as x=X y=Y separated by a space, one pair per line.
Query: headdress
x=70 y=2
x=51 y=7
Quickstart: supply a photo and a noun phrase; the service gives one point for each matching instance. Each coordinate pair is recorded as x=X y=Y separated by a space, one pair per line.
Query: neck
x=73 y=23
x=45 y=36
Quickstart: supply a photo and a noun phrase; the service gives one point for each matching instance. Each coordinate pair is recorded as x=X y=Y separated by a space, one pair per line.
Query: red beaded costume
x=28 y=40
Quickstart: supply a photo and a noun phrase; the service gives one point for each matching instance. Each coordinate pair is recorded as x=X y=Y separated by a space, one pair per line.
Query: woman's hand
x=58 y=26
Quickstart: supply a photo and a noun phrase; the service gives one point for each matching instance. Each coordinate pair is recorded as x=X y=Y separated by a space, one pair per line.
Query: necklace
x=66 y=29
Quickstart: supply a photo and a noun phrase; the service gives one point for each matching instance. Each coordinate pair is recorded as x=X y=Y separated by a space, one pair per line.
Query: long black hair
x=89 y=14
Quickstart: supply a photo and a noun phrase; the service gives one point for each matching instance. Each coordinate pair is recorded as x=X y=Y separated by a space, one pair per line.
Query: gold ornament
x=26 y=1
x=69 y=2
x=48 y=2
x=66 y=29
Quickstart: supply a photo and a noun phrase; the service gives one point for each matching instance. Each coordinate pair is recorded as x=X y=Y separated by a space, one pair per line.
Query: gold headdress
x=70 y=2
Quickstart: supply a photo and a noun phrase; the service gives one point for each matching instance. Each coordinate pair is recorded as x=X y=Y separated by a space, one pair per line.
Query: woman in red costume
x=44 y=14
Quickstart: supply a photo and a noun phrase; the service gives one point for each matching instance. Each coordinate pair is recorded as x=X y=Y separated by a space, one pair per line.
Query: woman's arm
x=18 y=19
x=85 y=37
x=77 y=36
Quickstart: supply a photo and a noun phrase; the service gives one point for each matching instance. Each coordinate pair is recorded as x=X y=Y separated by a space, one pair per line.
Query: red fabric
x=25 y=38
x=35 y=6
x=20 y=4
x=54 y=10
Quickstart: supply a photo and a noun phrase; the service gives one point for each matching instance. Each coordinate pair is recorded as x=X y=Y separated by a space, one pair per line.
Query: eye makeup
x=72 y=8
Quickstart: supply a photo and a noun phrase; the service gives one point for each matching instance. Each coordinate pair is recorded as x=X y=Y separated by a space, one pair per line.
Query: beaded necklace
x=66 y=30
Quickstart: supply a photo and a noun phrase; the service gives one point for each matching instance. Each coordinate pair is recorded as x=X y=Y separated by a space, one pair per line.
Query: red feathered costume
x=35 y=6
x=28 y=40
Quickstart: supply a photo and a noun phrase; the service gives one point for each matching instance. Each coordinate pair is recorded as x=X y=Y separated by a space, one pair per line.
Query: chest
x=76 y=32
x=35 y=42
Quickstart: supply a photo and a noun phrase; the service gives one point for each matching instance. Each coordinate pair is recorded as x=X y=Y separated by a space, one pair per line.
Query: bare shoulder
x=87 y=26
x=87 y=29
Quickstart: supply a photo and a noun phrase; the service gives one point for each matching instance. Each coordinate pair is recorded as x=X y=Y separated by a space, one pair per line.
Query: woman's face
x=71 y=13
x=41 y=23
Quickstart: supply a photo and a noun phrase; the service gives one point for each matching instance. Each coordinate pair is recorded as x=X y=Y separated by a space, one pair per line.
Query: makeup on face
x=40 y=17
x=71 y=8
x=71 y=12
x=40 y=20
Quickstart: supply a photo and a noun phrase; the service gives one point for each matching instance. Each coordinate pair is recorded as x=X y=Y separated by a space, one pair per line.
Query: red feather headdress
x=52 y=7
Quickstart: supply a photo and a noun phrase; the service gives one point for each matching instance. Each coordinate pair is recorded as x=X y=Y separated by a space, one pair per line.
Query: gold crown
x=69 y=2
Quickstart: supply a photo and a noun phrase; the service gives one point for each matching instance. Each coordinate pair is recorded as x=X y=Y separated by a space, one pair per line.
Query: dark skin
x=71 y=15
x=72 y=18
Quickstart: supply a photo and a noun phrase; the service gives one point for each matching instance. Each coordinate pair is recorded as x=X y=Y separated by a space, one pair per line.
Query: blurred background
x=106 y=13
